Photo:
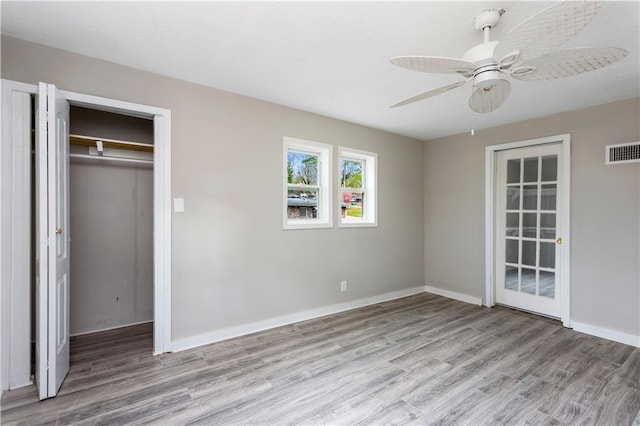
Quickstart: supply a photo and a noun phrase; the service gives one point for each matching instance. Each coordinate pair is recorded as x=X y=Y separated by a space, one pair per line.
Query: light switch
x=178 y=205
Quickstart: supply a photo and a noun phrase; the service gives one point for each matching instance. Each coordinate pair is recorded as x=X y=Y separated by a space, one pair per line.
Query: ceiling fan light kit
x=528 y=52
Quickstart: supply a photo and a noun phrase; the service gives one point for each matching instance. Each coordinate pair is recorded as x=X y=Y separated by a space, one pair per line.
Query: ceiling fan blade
x=428 y=94
x=565 y=63
x=544 y=32
x=434 y=64
x=490 y=98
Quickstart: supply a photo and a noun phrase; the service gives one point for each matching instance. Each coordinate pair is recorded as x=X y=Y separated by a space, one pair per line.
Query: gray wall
x=605 y=211
x=232 y=262
x=111 y=229
x=111 y=246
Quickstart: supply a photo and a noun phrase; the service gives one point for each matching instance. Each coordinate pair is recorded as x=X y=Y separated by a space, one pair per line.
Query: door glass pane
x=547 y=225
x=547 y=255
x=513 y=224
x=548 y=201
x=530 y=169
x=513 y=197
x=511 y=251
x=530 y=197
x=528 y=281
x=513 y=171
x=511 y=278
x=529 y=229
x=529 y=253
x=549 y=168
x=547 y=284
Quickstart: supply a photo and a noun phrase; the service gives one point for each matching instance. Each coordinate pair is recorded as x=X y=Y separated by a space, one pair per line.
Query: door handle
x=58 y=231
x=559 y=240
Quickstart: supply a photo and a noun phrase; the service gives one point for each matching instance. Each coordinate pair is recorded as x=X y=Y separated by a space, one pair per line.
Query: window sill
x=357 y=224
x=306 y=225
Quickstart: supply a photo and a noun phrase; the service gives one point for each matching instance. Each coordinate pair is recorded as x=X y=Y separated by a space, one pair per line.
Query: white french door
x=528 y=228
x=52 y=236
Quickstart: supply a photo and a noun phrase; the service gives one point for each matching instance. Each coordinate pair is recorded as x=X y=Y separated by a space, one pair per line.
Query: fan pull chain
x=473 y=132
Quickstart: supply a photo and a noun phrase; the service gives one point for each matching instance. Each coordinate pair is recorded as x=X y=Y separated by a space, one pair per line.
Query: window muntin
x=357 y=187
x=307 y=184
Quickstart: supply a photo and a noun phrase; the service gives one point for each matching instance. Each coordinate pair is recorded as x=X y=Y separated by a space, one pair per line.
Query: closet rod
x=110 y=143
x=116 y=159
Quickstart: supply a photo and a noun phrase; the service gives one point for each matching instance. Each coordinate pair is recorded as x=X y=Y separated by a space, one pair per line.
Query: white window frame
x=325 y=210
x=369 y=186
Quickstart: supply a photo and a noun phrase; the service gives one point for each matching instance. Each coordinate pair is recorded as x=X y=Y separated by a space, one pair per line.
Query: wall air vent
x=623 y=153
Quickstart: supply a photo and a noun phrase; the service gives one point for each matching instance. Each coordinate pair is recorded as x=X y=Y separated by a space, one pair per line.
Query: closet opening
x=111 y=210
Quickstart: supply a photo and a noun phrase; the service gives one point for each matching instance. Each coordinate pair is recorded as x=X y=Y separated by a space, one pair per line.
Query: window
x=357 y=187
x=307 y=180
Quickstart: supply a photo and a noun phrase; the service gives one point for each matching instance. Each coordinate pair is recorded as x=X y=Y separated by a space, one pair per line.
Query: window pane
x=351 y=172
x=529 y=253
x=511 y=251
x=548 y=255
x=352 y=204
x=513 y=171
x=548 y=201
x=549 y=168
x=513 y=224
x=547 y=225
x=547 y=284
x=511 y=278
x=528 y=281
x=302 y=168
x=529 y=229
x=530 y=197
x=513 y=197
x=302 y=203
x=531 y=169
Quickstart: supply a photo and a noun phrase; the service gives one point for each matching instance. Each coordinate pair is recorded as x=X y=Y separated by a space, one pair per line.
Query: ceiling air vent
x=623 y=153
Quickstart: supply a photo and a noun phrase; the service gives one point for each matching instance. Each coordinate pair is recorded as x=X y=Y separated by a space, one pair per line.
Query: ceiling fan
x=528 y=52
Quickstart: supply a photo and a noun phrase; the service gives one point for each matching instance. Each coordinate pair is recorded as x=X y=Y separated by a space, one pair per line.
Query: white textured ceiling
x=331 y=58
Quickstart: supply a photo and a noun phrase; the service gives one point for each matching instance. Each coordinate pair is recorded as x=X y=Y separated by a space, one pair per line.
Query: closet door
x=52 y=210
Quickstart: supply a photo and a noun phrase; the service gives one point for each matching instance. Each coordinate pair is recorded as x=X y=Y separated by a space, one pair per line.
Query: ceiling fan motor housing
x=488 y=71
x=486 y=79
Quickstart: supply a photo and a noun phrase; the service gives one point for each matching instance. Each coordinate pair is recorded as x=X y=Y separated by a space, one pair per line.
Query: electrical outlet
x=343 y=286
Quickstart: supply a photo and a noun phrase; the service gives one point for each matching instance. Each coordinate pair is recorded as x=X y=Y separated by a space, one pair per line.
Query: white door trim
x=490 y=170
x=161 y=205
x=15 y=268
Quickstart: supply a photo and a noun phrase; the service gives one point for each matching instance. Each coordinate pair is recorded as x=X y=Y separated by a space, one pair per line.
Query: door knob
x=559 y=240
x=58 y=231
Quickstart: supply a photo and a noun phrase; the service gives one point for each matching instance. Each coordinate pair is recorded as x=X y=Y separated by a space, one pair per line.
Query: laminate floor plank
x=419 y=360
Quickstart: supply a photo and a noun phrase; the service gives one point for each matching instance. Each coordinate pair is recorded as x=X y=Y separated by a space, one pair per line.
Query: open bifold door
x=52 y=241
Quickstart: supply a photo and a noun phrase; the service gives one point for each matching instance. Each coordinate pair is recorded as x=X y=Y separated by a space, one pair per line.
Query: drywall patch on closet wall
x=111 y=210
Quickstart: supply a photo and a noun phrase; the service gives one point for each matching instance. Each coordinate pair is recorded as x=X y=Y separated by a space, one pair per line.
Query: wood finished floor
x=423 y=359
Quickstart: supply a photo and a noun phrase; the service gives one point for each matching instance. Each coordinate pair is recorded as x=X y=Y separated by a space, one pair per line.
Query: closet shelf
x=110 y=143
x=111 y=159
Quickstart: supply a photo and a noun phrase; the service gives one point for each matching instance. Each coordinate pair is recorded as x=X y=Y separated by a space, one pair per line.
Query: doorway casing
x=490 y=211
x=15 y=259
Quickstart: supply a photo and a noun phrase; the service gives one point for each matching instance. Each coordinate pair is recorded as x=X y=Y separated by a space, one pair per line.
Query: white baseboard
x=109 y=328
x=606 y=333
x=21 y=385
x=454 y=295
x=241 y=330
